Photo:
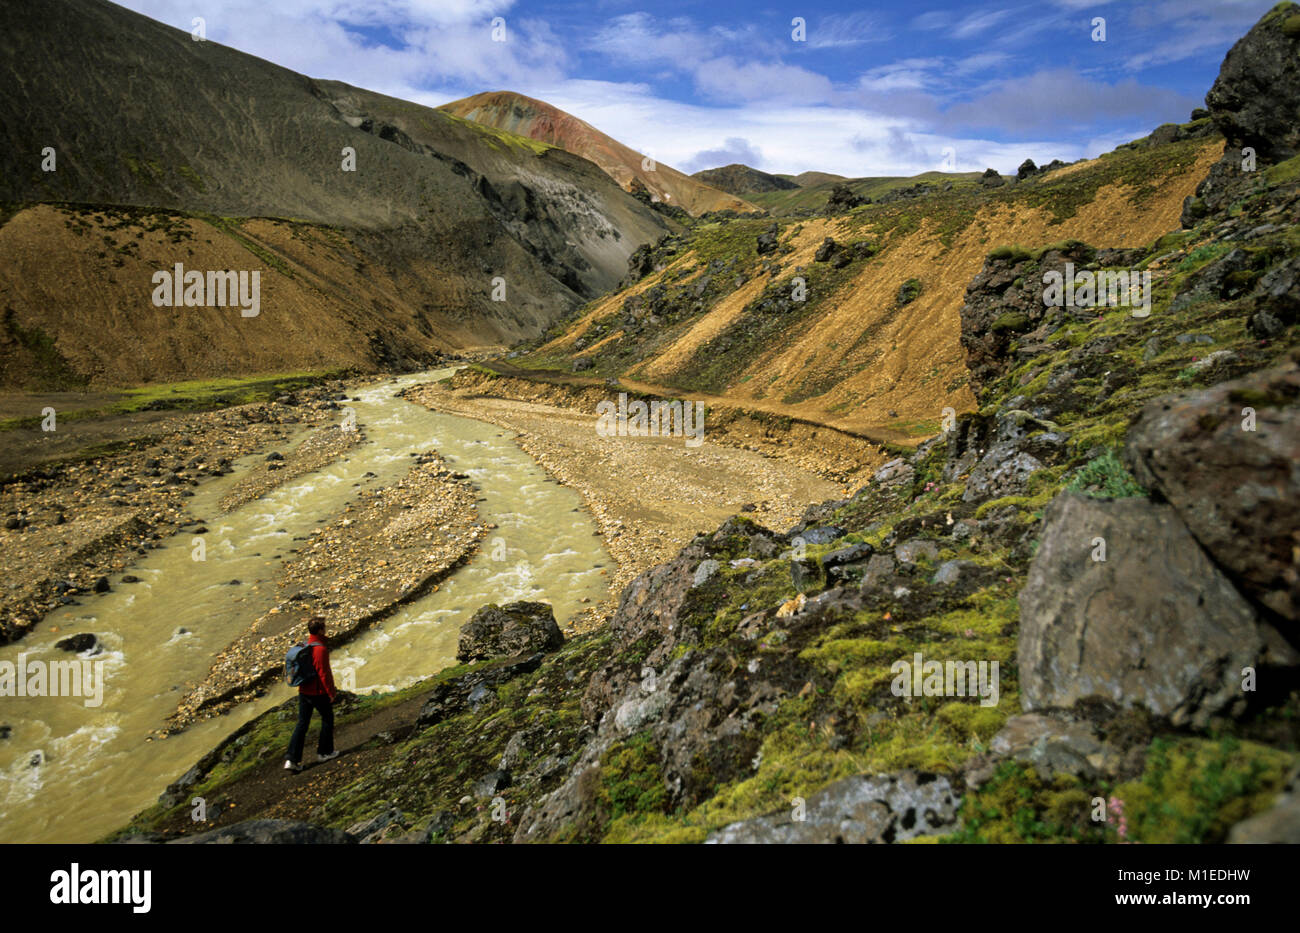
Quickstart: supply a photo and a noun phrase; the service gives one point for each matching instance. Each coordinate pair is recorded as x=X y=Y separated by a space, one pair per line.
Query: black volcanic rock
x=1255 y=100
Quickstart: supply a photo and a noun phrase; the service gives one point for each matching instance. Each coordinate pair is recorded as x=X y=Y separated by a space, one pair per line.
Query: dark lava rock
x=1238 y=490
x=861 y=809
x=823 y=535
x=100 y=585
x=505 y=631
x=492 y=784
x=804 y=574
x=1253 y=104
x=847 y=555
x=373 y=829
x=843 y=199
x=82 y=641
x=1255 y=98
x=1155 y=624
x=452 y=696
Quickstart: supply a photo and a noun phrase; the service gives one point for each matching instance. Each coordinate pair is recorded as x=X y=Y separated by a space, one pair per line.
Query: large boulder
x=1256 y=97
x=506 y=631
x=1004 y=306
x=859 y=809
x=1237 y=489
x=1253 y=103
x=1154 y=624
x=843 y=199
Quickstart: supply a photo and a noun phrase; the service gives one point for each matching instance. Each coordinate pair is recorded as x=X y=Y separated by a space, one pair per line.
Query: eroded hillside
x=537 y=120
x=873 y=346
x=486 y=236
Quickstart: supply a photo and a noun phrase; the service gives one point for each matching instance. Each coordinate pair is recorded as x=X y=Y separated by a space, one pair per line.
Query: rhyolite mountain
x=169 y=149
x=535 y=119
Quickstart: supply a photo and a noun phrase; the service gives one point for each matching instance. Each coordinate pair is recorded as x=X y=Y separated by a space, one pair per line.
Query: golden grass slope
x=76 y=289
x=914 y=365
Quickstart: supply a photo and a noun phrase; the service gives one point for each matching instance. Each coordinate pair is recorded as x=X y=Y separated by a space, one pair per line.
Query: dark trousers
x=305 y=705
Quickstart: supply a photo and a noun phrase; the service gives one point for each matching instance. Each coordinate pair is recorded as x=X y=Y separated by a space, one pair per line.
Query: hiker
x=315 y=692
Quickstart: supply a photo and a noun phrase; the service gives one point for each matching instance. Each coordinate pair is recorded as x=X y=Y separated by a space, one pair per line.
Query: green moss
x=1257 y=399
x=1193 y=790
x=1170 y=242
x=192 y=177
x=631 y=778
x=1285 y=172
x=50 y=370
x=1012 y=253
x=1016 y=805
x=1203 y=255
x=1012 y=321
x=1105 y=476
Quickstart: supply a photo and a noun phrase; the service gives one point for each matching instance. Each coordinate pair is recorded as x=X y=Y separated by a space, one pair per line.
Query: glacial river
x=71 y=772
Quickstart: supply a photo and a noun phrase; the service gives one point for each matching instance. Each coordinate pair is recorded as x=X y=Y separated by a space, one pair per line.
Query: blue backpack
x=298 y=665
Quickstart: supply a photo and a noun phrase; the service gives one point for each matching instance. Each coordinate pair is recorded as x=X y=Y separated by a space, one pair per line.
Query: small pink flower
x=1116 y=807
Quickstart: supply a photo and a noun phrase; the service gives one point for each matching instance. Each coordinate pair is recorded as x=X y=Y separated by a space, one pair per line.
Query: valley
x=923 y=440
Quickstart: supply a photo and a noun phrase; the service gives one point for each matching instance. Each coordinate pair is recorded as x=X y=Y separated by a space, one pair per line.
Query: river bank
x=651 y=495
x=377 y=529
x=69 y=524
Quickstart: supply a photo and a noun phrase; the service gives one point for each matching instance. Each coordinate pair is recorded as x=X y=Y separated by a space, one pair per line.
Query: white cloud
x=846 y=30
x=727 y=79
x=830 y=138
x=792 y=118
x=445 y=40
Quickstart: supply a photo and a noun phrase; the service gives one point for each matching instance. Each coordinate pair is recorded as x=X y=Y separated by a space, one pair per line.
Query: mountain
x=814 y=189
x=170 y=150
x=741 y=179
x=873 y=346
x=535 y=119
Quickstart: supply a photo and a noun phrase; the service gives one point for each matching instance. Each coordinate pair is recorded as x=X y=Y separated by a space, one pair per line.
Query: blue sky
x=872 y=88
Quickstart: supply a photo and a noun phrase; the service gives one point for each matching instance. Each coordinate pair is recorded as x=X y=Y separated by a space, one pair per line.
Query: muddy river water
x=71 y=771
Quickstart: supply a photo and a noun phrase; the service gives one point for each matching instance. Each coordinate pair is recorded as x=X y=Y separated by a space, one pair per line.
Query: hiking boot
x=327 y=757
x=292 y=766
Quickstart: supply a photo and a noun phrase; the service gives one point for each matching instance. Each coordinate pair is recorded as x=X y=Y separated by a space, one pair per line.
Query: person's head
x=316 y=626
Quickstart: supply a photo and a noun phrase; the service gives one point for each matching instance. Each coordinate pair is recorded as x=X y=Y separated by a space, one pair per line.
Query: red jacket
x=323 y=683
